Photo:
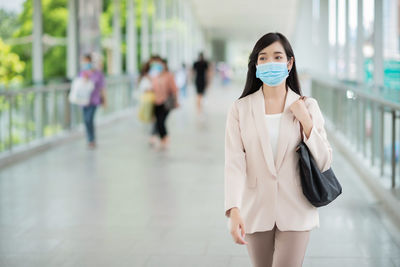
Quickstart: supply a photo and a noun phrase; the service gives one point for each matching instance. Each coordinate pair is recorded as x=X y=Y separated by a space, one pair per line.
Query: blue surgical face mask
x=155 y=69
x=272 y=73
x=87 y=66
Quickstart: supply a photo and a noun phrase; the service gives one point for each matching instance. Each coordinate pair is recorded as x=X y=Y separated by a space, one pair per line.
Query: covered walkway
x=126 y=204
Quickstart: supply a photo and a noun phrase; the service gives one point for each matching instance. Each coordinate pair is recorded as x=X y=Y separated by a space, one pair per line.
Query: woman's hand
x=237 y=227
x=300 y=111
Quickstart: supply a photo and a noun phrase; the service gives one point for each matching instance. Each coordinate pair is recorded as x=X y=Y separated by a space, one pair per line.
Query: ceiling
x=245 y=19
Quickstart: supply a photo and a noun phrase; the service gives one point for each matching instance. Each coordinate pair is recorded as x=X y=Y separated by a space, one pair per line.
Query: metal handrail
x=39 y=112
x=351 y=109
x=38 y=88
x=359 y=90
x=56 y=86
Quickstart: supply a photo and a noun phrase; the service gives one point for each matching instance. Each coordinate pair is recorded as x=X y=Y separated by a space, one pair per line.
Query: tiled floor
x=126 y=204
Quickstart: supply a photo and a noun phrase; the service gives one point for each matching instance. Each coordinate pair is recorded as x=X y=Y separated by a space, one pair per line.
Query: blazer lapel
x=285 y=128
x=258 y=109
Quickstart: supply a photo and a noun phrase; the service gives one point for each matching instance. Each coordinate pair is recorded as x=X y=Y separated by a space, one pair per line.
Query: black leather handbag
x=320 y=188
x=170 y=102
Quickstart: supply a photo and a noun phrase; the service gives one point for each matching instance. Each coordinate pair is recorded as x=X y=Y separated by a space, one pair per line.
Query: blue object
x=272 y=73
x=88 y=116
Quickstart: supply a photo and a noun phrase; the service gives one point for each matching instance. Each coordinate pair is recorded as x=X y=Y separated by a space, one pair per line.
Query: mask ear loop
x=290 y=69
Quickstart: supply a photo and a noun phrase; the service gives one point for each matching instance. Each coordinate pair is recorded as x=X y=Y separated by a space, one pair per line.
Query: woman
x=164 y=87
x=263 y=196
x=98 y=97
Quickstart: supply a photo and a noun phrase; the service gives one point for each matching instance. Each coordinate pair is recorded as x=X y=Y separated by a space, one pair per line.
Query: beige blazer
x=266 y=191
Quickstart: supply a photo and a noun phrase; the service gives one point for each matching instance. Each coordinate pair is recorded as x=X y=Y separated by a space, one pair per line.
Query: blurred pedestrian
x=181 y=78
x=201 y=71
x=166 y=98
x=98 y=97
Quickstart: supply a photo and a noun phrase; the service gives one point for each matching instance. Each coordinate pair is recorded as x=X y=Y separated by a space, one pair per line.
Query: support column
x=131 y=39
x=332 y=38
x=154 y=33
x=144 y=37
x=89 y=27
x=169 y=31
x=37 y=44
x=378 y=43
x=117 y=56
x=37 y=68
x=72 y=40
x=163 y=17
x=347 y=43
x=181 y=32
x=324 y=35
x=186 y=45
x=337 y=46
x=360 y=43
x=314 y=9
x=175 y=35
x=378 y=65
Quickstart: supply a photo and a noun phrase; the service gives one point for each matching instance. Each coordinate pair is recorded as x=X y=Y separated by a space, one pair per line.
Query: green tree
x=107 y=18
x=11 y=67
x=8 y=25
x=55 y=14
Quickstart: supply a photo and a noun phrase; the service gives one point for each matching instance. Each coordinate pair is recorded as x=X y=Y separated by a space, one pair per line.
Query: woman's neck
x=277 y=92
x=274 y=98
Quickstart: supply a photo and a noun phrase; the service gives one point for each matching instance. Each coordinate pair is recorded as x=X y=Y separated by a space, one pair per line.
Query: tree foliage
x=55 y=19
x=11 y=67
x=8 y=25
x=54 y=16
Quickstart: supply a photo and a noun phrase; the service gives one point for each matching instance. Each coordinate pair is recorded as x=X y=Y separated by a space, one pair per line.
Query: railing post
x=67 y=111
x=54 y=113
x=372 y=133
x=10 y=122
x=352 y=115
x=38 y=114
x=334 y=111
x=348 y=117
x=393 y=148
x=358 y=125
x=339 y=111
x=364 y=146
x=26 y=117
x=382 y=140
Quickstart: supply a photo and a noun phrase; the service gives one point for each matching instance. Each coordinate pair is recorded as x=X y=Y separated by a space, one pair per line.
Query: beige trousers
x=277 y=248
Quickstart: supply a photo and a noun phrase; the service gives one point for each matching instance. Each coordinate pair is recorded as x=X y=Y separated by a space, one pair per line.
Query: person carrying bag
x=147 y=98
x=81 y=91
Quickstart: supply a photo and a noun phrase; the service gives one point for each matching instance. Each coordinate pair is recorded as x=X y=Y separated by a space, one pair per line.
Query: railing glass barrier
x=368 y=120
x=30 y=115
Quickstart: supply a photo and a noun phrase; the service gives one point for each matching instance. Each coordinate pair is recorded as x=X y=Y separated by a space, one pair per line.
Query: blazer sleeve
x=317 y=142
x=235 y=162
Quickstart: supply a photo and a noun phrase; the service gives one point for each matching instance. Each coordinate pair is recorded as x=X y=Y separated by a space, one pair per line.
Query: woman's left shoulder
x=311 y=102
x=169 y=75
x=313 y=107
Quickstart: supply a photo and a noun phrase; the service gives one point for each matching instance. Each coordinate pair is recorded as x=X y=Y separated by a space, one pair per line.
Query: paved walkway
x=126 y=204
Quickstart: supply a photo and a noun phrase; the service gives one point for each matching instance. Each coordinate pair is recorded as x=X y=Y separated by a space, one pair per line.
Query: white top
x=273 y=121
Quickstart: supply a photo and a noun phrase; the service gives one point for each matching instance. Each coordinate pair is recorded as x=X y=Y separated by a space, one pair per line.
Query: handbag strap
x=301 y=126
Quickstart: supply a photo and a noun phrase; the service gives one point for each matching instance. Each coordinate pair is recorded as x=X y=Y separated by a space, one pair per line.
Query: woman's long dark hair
x=253 y=83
